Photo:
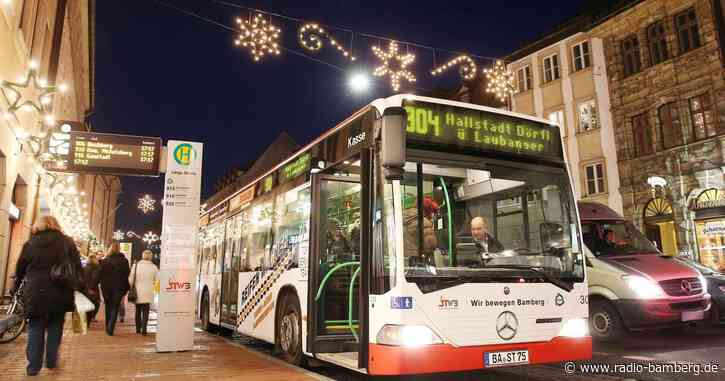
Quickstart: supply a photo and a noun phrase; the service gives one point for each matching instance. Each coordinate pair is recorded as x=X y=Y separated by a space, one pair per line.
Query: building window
x=688 y=33
x=551 y=68
x=630 y=55
x=580 y=52
x=657 y=42
x=642 y=135
x=524 y=78
x=595 y=178
x=588 y=116
x=703 y=120
x=558 y=118
x=670 y=128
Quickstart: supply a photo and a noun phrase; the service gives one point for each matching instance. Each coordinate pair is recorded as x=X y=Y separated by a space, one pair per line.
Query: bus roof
x=379 y=105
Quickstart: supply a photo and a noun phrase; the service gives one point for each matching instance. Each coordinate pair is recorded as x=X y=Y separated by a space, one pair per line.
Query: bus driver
x=484 y=241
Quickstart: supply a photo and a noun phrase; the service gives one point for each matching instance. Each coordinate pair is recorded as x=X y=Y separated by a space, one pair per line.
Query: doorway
x=338 y=293
x=659 y=225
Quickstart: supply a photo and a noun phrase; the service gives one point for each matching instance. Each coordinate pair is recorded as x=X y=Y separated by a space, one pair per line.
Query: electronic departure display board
x=477 y=130
x=114 y=154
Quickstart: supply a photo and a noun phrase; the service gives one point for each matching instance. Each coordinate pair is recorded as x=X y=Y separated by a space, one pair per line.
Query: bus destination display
x=481 y=130
x=114 y=154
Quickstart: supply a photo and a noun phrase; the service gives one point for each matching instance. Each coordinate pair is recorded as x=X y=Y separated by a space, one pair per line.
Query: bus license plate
x=693 y=315
x=491 y=359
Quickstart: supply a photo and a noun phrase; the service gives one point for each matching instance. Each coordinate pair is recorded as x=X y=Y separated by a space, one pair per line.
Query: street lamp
x=359 y=82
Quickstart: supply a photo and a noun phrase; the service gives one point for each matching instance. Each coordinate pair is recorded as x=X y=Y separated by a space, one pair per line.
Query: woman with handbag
x=142 y=280
x=50 y=264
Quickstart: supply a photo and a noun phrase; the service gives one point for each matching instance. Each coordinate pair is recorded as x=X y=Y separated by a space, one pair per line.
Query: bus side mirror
x=392 y=144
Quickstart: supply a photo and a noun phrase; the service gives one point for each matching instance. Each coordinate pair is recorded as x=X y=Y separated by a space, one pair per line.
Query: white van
x=631 y=284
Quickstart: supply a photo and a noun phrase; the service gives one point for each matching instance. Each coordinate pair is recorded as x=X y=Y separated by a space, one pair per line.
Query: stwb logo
x=177 y=286
x=448 y=304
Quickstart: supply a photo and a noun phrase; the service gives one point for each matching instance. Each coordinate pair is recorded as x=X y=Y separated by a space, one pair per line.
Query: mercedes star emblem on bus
x=507 y=325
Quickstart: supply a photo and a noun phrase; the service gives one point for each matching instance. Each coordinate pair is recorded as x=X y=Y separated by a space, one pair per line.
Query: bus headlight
x=643 y=288
x=407 y=336
x=575 y=328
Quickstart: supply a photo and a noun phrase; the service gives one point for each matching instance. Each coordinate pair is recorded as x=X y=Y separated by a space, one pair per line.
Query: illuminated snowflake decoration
x=150 y=237
x=146 y=204
x=118 y=235
x=394 y=65
x=132 y=234
x=500 y=81
x=19 y=95
x=259 y=36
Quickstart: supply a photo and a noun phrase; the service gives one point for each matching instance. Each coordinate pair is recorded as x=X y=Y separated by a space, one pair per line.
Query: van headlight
x=643 y=288
x=575 y=328
x=407 y=336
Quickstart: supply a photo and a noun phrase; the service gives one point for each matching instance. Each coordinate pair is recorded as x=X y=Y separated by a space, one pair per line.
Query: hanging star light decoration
x=118 y=235
x=150 y=237
x=388 y=68
x=146 y=204
x=19 y=95
x=500 y=81
x=467 y=70
x=259 y=36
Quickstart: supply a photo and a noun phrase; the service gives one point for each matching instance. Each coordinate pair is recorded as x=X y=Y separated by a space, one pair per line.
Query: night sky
x=160 y=72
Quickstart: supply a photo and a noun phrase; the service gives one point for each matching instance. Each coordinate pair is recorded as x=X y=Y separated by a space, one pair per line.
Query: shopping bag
x=83 y=304
x=79 y=323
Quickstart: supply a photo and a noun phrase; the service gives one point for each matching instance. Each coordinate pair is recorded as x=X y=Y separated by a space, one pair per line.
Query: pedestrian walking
x=143 y=277
x=92 y=278
x=114 y=284
x=51 y=266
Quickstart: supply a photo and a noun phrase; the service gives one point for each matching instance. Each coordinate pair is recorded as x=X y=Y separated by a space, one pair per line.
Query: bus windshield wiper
x=538 y=270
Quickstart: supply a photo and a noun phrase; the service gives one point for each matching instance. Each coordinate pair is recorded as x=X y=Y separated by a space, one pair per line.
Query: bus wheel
x=205 y=325
x=289 y=330
x=604 y=321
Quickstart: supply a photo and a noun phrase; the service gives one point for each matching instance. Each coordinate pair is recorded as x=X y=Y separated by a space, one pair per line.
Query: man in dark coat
x=114 y=284
x=46 y=302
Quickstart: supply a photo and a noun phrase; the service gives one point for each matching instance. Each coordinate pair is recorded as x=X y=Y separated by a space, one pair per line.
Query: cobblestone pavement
x=128 y=356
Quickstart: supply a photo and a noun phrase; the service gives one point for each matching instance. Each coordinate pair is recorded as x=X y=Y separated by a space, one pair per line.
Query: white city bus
x=418 y=236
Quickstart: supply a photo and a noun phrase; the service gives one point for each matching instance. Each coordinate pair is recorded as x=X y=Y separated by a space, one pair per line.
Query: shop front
x=709 y=209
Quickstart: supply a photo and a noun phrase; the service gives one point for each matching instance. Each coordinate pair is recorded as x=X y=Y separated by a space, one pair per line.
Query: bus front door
x=335 y=326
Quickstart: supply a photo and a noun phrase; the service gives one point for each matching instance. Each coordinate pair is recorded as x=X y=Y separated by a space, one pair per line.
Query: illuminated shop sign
x=297 y=167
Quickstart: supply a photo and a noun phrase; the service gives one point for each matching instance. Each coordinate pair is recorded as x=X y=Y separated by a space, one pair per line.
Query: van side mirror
x=392 y=145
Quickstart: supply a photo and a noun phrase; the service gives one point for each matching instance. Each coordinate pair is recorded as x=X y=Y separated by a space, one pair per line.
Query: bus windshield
x=463 y=221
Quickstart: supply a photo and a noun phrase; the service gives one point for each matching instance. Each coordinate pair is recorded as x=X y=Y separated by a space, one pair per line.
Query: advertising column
x=182 y=188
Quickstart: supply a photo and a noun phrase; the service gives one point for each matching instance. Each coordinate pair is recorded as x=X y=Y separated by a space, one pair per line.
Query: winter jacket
x=114 y=275
x=92 y=277
x=146 y=275
x=43 y=250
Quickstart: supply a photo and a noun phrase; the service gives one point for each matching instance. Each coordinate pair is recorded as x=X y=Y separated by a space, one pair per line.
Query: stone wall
x=683 y=75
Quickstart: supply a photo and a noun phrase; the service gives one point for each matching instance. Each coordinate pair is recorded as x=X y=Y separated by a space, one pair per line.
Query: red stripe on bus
x=391 y=360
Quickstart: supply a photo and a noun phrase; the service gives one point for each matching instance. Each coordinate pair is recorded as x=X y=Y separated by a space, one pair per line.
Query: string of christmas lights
x=260 y=36
x=310 y=37
x=398 y=72
x=467 y=69
x=500 y=81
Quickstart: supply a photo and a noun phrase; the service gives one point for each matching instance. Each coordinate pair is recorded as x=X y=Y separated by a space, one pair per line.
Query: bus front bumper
x=392 y=360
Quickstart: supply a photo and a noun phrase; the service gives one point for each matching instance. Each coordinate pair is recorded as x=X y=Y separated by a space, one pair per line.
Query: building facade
x=639 y=86
x=56 y=36
x=562 y=78
x=664 y=61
